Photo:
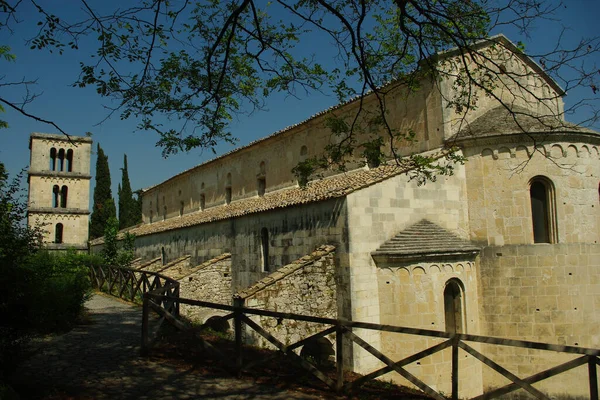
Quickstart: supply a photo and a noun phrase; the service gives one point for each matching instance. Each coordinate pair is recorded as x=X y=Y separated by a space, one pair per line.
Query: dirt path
x=101 y=360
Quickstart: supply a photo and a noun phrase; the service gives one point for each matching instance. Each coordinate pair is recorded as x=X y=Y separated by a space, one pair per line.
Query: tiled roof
x=284 y=271
x=425 y=240
x=500 y=121
x=328 y=188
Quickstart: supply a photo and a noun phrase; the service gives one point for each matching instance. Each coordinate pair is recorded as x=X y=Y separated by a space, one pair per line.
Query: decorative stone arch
x=454 y=306
x=543 y=210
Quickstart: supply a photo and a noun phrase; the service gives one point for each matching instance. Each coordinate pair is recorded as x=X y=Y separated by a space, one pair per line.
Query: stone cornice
x=51 y=210
x=65 y=246
x=60 y=174
x=529 y=137
x=61 y=137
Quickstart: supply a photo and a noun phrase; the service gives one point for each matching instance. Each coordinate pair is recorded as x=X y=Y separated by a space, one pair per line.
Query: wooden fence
x=161 y=295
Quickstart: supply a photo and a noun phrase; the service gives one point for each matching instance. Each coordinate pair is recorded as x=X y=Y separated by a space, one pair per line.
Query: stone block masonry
x=305 y=286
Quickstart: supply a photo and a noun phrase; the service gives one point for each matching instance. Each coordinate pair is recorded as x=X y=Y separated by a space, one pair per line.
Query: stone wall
x=499 y=175
x=543 y=293
x=209 y=281
x=412 y=295
x=376 y=214
x=306 y=286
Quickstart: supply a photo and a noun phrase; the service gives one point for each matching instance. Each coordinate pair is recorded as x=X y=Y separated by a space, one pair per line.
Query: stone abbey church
x=507 y=246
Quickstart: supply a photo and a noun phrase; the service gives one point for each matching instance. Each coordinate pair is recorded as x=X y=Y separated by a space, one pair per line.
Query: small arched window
x=163 y=256
x=228 y=189
x=64 y=191
x=61 y=159
x=55 y=196
x=261 y=179
x=303 y=152
x=264 y=247
x=53 y=159
x=453 y=306
x=543 y=213
x=58 y=233
x=70 y=160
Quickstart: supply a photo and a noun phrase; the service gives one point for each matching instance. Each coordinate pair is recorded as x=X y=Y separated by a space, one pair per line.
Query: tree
x=104 y=204
x=200 y=63
x=129 y=214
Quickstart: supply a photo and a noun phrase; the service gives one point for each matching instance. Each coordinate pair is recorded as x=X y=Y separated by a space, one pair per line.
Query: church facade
x=507 y=246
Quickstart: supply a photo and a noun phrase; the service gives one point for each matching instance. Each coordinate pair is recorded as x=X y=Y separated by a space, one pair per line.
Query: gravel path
x=101 y=360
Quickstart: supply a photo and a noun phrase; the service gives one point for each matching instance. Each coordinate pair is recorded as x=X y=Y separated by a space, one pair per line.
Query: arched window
x=55 y=196
x=453 y=306
x=543 y=214
x=58 y=233
x=52 y=159
x=70 y=160
x=303 y=152
x=264 y=247
x=228 y=189
x=64 y=191
x=61 y=159
x=163 y=256
x=202 y=202
x=261 y=179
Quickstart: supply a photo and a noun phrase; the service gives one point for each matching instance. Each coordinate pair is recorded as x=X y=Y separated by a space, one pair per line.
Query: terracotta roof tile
x=328 y=188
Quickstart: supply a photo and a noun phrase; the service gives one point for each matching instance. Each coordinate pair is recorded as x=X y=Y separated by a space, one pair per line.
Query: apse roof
x=425 y=240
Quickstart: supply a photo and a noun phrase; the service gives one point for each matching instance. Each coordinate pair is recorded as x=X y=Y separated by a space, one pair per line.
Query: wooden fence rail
x=161 y=295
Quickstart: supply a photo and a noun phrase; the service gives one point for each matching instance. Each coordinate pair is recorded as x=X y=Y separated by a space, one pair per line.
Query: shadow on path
x=101 y=360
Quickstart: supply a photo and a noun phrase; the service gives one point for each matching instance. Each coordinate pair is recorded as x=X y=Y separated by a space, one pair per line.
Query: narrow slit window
x=69 y=160
x=264 y=245
x=53 y=159
x=64 y=191
x=55 y=196
x=61 y=160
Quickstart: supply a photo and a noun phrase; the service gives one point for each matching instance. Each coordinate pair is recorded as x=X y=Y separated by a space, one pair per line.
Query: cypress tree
x=104 y=204
x=127 y=204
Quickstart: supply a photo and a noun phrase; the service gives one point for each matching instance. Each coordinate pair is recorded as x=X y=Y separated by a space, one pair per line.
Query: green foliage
x=129 y=212
x=104 y=206
x=112 y=253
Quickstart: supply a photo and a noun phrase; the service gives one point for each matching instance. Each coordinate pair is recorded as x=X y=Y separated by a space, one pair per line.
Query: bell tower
x=59 y=189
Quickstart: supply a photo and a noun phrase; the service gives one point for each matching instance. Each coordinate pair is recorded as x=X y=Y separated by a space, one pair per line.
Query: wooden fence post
x=145 y=310
x=237 y=319
x=593 y=377
x=454 y=368
x=339 y=356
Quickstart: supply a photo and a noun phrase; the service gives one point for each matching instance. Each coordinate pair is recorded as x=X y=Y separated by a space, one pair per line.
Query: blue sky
x=81 y=110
